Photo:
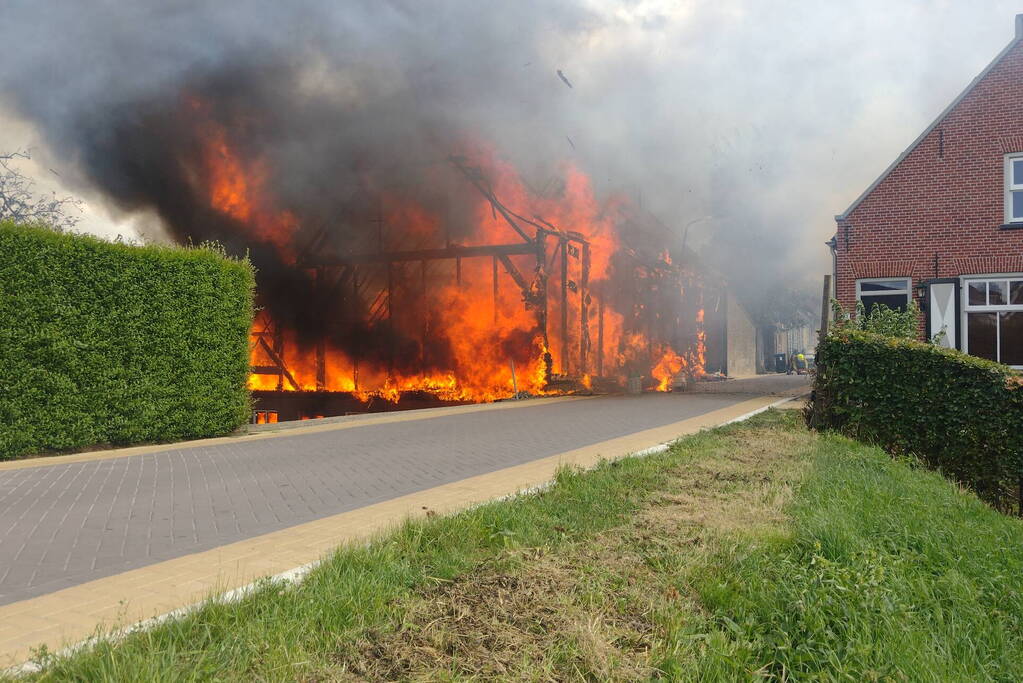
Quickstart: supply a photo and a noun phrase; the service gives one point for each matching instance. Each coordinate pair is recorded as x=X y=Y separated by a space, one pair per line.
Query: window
x=1014 y=188
x=993 y=316
x=892 y=293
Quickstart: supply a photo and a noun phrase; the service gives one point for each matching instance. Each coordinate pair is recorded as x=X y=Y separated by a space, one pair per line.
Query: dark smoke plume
x=768 y=117
x=335 y=103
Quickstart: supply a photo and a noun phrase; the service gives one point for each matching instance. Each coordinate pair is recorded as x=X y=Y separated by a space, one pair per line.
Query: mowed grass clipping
x=753 y=551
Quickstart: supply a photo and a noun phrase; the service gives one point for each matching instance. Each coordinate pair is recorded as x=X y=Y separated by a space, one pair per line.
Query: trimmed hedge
x=958 y=413
x=108 y=343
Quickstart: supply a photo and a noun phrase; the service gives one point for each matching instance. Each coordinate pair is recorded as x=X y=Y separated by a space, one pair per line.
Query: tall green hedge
x=109 y=343
x=958 y=413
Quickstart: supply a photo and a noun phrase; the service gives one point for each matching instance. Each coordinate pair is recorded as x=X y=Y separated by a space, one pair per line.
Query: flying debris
x=570 y=141
x=562 y=77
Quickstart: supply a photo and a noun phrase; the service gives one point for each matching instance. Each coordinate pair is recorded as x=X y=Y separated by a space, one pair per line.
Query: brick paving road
x=66 y=524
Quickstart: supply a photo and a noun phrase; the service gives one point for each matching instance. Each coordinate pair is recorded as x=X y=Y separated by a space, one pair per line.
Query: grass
x=887 y=572
x=757 y=550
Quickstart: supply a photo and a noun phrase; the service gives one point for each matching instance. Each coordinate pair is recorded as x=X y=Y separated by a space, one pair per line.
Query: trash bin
x=779 y=363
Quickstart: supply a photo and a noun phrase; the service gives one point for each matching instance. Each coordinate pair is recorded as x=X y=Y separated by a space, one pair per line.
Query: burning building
x=468 y=284
x=535 y=297
x=411 y=244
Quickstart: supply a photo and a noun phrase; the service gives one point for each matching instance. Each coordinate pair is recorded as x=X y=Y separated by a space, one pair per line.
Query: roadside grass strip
x=887 y=572
x=755 y=550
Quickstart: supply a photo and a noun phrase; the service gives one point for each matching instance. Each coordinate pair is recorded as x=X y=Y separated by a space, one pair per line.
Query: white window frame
x=965 y=307
x=1010 y=187
x=893 y=292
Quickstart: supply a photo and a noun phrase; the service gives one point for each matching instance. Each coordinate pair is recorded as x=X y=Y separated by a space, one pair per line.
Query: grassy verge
x=756 y=550
x=886 y=572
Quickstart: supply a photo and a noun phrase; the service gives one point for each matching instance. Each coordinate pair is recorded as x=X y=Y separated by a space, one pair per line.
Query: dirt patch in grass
x=743 y=486
x=589 y=610
x=530 y=622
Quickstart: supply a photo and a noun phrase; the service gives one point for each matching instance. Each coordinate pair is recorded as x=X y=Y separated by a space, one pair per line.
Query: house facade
x=944 y=223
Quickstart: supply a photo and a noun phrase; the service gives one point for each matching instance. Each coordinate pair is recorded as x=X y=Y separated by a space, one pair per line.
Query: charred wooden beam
x=551 y=229
x=584 y=302
x=541 y=298
x=550 y=226
x=475 y=177
x=277 y=355
x=452 y=252
x=315 y=244
x=517 y=276
x=280 y=369
x=564 y=307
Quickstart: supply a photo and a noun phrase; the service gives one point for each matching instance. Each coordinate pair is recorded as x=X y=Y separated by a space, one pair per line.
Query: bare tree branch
x=20 y=203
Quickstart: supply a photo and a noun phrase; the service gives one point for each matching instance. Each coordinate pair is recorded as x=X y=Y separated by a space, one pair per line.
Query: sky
x=756 y=122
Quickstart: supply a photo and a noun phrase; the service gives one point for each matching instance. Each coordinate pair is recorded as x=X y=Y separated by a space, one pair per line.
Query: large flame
x=667 y=369
x=671 y=364
x=238 y=190
x=494 y=345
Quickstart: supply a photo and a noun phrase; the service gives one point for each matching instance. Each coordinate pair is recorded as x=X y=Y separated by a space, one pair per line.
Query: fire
x=237 y=187
x=670 y=363
x=667 y=368
x=477 y=327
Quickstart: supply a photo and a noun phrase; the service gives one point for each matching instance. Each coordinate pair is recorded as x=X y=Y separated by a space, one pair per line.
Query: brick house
x=944 y=223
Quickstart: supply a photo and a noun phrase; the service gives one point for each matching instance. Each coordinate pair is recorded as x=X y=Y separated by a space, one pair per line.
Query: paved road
x=65 y=524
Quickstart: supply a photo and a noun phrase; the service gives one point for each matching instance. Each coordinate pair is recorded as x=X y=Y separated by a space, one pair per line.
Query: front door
x=943 y=312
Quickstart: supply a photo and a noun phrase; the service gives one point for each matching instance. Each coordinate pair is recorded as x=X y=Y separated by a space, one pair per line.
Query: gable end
x=1015 y=141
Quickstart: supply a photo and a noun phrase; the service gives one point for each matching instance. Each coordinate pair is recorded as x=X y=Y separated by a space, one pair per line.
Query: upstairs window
x=891 y=293
x=1014 y=188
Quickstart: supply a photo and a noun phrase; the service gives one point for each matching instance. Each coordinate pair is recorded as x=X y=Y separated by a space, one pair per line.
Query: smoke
x=766 y=118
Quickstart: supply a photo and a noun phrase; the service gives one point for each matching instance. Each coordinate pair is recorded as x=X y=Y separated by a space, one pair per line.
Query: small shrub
x=109 y=343
x=882 y=320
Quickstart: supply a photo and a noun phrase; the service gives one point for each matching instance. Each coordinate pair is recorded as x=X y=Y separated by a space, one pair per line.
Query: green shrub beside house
x=109 y=343
x=958 y=413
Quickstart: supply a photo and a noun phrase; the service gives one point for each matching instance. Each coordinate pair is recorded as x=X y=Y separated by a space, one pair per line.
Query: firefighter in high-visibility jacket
x=797 y=363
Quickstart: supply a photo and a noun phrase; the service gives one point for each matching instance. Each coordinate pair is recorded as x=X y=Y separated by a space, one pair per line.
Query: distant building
x=944 y=223
x=779 y=343
x=732 y=344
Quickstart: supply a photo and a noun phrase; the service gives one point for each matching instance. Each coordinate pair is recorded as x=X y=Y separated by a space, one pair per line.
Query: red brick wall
x=938 y=215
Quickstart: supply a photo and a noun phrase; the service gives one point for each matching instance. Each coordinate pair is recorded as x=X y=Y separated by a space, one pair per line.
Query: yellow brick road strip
x=314 y=426
x=74 y=614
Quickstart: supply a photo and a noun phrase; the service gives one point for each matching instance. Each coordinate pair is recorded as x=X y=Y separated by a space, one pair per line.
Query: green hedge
x=958 y=413
x=108 y=343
